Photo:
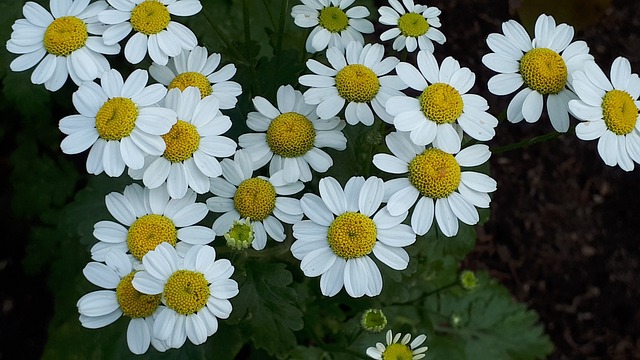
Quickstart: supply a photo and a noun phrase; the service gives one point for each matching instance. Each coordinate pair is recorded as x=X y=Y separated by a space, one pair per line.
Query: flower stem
x=528 y=142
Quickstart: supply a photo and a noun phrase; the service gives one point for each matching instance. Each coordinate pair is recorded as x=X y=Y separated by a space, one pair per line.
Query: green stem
x=426 y=295
x=223 y=36
x=246 y=21
x=281 y=23
x=528 y=142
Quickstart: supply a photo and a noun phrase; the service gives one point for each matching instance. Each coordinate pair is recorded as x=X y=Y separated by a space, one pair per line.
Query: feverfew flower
x=414 y=27
x=398 y=349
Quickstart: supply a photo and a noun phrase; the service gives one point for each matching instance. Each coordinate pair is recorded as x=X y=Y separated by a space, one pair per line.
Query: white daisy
x=195 y=292
x=544 y=66
x=154 y=32
x=399 y=349
x=290 y=137
x=442 y=106
x=61 y=39
x=334 y=25
x=194 y=68
x=119 y=120
x=609 y=110
x=344 y=228
x=240 y=195
x=435 y=180
x=414 y=27
x=357 y=79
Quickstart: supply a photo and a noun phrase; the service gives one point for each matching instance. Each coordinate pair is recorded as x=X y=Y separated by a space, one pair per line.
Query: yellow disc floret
x=133 y=303
x=65 y=35
x=434 y=173
x=397 y=351
x=186 y=291
x=149 y=231
x=255 y=198
x=116 y=118
x=619 y=112
x=150 y=17
x=182 y=141
x=357 y=83
x=352 y=235
x=543 y=70
x=441 y=103
x=333 y=19
x=192 y=78
x=413 y=25
x=291 y=135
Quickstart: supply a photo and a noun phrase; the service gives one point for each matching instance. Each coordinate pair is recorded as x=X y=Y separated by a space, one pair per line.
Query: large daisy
x=442 y=105
x=119 y=120
x=290 y=137
x=357 y=79
x=399 y=349
x=154 y=31
x=609 y=109
x=415 y=25
x=544 y=66
x=60 y=42
x=436 y=181
x=345 y=227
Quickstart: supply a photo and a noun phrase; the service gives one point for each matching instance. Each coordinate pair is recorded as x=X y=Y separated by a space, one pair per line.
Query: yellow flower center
x=255 y=198
x=619 y=112
x=182 y=141
x=186 y=291
x=397 y=351
x=192 y=78
x=357 y=83
x=116 y=118
x=65 y=35
x=434 y=173
x=149 y=231
x=291 y=135
x=441 y=103
x=352 y=235
x=543 y=70
x=413 y=24
x=150 y=17
x=333 y=19
x=133 y=303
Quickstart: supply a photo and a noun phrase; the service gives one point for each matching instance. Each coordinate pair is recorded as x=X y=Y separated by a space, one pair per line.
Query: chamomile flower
x=358 y=79
x=290 y=136
x=442 y=106
x=345 y=227
x=119 y=120
x=240 y=195
x=544 y=66
x=435 y=183
x=609 y=109
x=414 y=27
x=194 y=68
x=195 y=292
x=399 y=349
x=335 y=26
x=148 y=217
x=154 y=31
x=61 y=43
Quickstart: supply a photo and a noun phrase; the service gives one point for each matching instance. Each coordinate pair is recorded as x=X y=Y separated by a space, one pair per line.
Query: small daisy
x=290 y=137
x=195 y=292
x=192 y=145
x=119 y=120
x=345 y=226
x=442 y=106
x=356 y=79
x=544 y=66
x=194 y=68
x=334 y=26
x=435 y=180
x=154 y=32
x=239 y=195
x=415 y=27
x=147 y=217
x=609 y=110
x=398 y=349
x=61 y=39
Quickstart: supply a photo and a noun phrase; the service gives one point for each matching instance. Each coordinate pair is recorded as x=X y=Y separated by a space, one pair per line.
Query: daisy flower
x=414 y=27
x=192 y=145
x=334 y=25
x=148 y=217
x=544 y=66
x=195 y=292
x=119 y=120
x=345 y=226
x=240 y=195
x=609 y=109
x=194 y=68
x=435 y=180
x=356 y=79
x=399 y=349
x=60 y=43
x=442 y=106
x=154 y=32
x=290 y=137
